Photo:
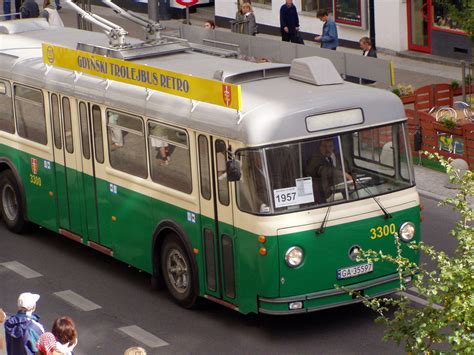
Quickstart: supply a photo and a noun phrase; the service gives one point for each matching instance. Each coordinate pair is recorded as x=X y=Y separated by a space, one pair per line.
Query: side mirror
x=233 y=170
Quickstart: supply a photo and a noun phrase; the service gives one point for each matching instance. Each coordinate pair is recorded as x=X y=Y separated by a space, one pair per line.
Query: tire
x=13 y=211
x=178 y=272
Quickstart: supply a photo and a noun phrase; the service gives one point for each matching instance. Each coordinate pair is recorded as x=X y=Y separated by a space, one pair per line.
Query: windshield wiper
x=325 y=220
x=366 y=189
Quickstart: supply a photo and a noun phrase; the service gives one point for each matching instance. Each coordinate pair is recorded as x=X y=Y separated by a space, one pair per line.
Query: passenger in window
x=326 y=170
x=162 y=148
x=116 y=134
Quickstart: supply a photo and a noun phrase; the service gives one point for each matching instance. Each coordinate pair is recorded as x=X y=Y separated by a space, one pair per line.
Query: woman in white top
x=51 y=14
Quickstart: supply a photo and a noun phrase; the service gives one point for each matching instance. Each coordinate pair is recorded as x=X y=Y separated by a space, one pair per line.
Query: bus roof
x=273 y=109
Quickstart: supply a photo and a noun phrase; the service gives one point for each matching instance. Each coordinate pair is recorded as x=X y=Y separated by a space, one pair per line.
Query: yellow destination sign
x=188 y=86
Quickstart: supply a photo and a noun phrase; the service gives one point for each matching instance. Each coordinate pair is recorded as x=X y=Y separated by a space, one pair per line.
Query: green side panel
x=75 y=199
x=91 y=228
x=62 y=196
x=255 y=274
x=41 y=206
x=325 y=253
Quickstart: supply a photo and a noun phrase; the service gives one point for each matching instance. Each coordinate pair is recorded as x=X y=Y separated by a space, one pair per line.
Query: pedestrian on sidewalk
x=51 y=14
x=46 y=344
x=367 y=50
x=250 y=24
x=3 y=316
x=210 y=25
x=289 y=22
x=23 y=329
x=29 y=9
x=64 y=330
x=7 y=8
x=329 y=38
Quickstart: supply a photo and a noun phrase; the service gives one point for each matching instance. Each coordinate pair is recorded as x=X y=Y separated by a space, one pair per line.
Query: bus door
x=88 y=181
x=67 y=170
x=216 y=218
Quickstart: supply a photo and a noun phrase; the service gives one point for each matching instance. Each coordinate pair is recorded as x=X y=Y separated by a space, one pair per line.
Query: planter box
x=458 y=91
x=409 y=99
x=456 y=131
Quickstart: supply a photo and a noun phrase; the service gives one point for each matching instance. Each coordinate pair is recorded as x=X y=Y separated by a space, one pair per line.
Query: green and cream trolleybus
x=258 y=196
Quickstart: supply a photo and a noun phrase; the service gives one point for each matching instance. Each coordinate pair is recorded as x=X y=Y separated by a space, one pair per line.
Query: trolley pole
x=153 y=6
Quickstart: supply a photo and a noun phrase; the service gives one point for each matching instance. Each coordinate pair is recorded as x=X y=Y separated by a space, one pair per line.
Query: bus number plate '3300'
x=353 y=271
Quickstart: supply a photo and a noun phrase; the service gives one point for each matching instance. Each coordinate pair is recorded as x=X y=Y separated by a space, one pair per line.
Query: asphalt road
x=125 y=300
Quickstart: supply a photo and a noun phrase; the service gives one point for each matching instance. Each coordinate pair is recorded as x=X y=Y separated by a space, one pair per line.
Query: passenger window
x=222 y=183
x=86 y=151
x=29 y=109
x=98 y=140
x=170 y=157
x=7 y=122
x=126 y=143
x=56 y=121
x=68 y=141
x=204 y=167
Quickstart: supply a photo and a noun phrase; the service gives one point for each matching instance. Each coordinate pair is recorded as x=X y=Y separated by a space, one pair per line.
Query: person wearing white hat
x=23 y=329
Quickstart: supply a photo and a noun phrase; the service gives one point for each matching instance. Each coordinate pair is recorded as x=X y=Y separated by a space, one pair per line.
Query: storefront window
x=442 y=17
x=315 y=5
x=263 y=2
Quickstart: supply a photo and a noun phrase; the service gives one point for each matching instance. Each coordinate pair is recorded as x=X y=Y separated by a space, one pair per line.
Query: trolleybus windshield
x=322 y=171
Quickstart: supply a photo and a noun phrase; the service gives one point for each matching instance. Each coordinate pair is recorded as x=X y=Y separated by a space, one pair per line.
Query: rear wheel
x=178 y=272
x=12 y=203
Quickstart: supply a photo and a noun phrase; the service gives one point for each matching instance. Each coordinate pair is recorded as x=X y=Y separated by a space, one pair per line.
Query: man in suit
x=326 y=170
x=367 y=50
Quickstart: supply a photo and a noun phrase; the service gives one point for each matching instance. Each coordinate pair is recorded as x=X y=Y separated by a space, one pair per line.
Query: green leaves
x=446 y=323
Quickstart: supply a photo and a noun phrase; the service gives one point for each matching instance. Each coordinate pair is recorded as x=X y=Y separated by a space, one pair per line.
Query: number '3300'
x=382 y=231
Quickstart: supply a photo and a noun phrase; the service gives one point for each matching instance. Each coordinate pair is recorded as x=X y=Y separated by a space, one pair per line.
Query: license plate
x=353 y=271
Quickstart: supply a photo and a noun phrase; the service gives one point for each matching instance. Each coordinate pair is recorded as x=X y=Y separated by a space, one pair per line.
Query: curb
x=431 y=195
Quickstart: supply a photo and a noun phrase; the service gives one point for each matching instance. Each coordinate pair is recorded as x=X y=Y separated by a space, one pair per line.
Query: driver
x=326 y=169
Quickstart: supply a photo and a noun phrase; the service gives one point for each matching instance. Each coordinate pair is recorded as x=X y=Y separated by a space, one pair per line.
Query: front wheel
x=12 y=203
x=178 y=272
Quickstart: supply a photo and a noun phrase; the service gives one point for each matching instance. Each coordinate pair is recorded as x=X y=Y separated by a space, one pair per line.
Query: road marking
x=77 y=300
x=419 y=300
x=21 y=269
x=143 y=336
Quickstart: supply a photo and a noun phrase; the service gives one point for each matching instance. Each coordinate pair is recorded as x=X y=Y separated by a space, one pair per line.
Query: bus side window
x=170 y=157
x=98 y=140
x=56 y=121
x=204 y=167
x=68 y=142
x=222 y=183
x=29 y=109
x=7 y=123
x=126 y=143
x=86 y=152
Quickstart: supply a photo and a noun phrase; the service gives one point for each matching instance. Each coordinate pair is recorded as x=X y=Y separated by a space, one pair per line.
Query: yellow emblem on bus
x=183 y=85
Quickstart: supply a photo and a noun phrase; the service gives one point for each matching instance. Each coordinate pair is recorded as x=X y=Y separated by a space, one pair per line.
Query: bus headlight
x=407 y=231
x=294 y=257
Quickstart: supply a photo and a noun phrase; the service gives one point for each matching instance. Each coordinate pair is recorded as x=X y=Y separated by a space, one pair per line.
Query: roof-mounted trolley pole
x=115 y=33
x=152 y=28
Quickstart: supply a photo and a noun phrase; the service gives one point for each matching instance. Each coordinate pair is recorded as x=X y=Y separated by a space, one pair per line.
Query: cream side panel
x=339 y=214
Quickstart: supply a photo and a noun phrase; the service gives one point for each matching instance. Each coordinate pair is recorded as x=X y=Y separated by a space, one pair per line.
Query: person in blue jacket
x=329 y=37
x=23 y=329
x=289 y=22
